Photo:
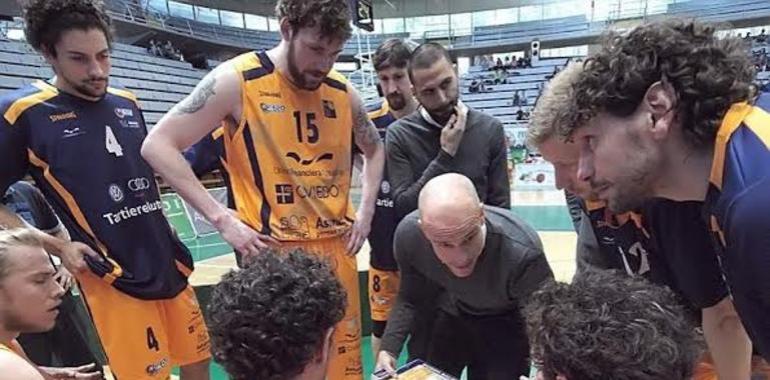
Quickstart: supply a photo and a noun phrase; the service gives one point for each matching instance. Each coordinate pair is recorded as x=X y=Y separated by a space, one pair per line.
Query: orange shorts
x=345 y=361
x=383 y=288
x=705 y=369
x=144 y=339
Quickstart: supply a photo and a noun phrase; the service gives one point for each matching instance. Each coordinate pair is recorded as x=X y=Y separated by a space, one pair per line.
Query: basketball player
x=391 y=62
x=31 y=297
x=685 y=126
x=664 y=241
x=80 y=141
x=290 y=123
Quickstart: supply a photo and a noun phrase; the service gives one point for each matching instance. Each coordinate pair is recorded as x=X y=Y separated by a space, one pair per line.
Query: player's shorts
x=345 y=361
x=383 y=288
x=705 y=369
x=144 y=339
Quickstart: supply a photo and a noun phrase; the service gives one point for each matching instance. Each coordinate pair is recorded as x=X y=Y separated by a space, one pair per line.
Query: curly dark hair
x=707 y=73
x=269 y=320
x=608 y=325
x=47 y=20
x=334 y=16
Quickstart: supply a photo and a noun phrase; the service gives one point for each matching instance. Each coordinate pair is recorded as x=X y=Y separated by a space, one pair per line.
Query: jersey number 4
x=111 y=143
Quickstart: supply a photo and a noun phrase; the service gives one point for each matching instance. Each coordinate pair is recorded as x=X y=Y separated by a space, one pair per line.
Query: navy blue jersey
x=27 y=202
x=85 y=158
x=737 y=209
x=667 y=243
x=384 y=221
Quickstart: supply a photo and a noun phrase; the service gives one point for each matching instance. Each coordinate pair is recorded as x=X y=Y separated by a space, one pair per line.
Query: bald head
x=448 y=195
x=452 y=219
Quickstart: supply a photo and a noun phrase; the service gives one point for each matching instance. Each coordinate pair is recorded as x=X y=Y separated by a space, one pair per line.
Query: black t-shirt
x=26 y=201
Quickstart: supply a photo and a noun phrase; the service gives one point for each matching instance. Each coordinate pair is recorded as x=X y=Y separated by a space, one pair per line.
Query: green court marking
x=546 y=218
x=177 y=216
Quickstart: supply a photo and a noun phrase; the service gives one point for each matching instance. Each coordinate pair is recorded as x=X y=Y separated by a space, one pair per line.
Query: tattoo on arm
x=200 y=95
x=364 y=130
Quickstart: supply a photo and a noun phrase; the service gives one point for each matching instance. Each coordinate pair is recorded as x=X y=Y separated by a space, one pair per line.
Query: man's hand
x=87 y=372
x=242 y=237
x=63 y=277
x=386 y=361
x=452 y=133
x=360 y=231
x=72 y=255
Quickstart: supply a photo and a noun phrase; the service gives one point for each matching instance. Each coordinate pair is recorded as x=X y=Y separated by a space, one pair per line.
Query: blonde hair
x=555 y=107
x=17 y=237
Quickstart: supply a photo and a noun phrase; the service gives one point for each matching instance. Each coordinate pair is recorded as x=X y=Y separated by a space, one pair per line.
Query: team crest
x=329 y=110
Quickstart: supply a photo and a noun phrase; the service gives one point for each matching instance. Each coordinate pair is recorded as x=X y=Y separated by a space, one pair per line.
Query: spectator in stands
x=748 y=36
x=520 y=115
x=474 y=86
x=762 y=37
x=508 y=64
x=523 y=101
x=498 y=64
x=608 y=326
x=274 y=319
x=154 y=49
x=516 y=99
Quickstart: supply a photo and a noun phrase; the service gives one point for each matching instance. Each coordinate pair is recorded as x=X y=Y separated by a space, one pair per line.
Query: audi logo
x=139 y=184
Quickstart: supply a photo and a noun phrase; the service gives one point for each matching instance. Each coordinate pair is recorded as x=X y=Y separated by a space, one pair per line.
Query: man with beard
x=444 y=136
x=664 y=241
x=685 y=126
x=80 y=140
x=390 y=61
x=290 y=122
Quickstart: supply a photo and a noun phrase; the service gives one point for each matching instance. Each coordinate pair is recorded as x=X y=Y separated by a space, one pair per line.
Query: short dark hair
x=334 y=16
x=47 y=20
x=267 y=321
x=427 y=54
x=608 y=325
x=394 y=52
x=707 y=73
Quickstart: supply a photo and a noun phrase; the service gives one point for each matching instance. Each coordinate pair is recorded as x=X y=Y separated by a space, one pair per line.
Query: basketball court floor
x=546 y=211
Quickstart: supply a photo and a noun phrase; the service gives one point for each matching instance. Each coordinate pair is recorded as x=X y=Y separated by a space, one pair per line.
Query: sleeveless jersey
x=289 y=157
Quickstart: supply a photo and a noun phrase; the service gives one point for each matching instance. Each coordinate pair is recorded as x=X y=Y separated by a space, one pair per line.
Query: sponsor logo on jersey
x=156 y=368
x=138 y=184
x=127 y=213
x=63 y=116
x=272 y=108
x=270 y=94
x=296 y=226
x=306 y=162
x=122 y=113
x=284 y=194
x=72 y=132
x=385 y=187
x=116 y=193
x=386 y=203
x=329 y=110
x=325 y=224
x=130 y=124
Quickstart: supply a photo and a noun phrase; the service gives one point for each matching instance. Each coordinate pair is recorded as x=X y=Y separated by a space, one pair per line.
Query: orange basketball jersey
x=290 y=157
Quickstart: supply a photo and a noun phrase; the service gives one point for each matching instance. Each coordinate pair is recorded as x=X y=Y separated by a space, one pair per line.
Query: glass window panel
x=207 y=15
x=506 y=16
x=461 y=23
x=393 y=25
x=531 y=13
x=256 y=22
x=180 y=10
x=231 y=18
x=273 y=24
x=483 y=18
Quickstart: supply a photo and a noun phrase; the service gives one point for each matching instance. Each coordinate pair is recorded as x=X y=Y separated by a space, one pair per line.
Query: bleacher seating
x=158 y=83
x=721 y=10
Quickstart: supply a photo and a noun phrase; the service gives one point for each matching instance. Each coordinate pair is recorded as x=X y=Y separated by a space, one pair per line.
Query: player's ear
x=660 y=102
x=287 y=32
